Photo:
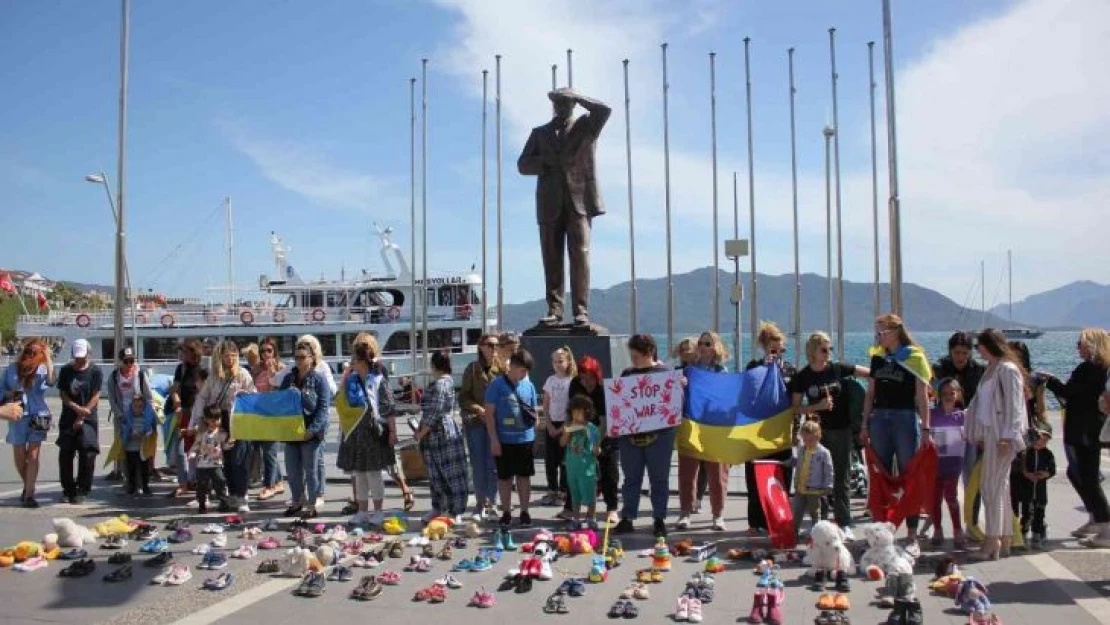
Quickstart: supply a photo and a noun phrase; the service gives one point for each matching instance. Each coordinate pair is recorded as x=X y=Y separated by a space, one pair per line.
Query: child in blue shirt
x=136 y=429
x=510 y=413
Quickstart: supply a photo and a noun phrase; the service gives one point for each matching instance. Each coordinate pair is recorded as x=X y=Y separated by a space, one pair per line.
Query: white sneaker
x=220 y=541
x=193 y=504
x=243 y=508
x=718 y=524
x=1085 y=530
x=212 y=528
x=320 y=502
x=200 y=550
x=683 y=522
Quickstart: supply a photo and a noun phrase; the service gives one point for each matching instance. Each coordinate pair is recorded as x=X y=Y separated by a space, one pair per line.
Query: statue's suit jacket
x=565 y=167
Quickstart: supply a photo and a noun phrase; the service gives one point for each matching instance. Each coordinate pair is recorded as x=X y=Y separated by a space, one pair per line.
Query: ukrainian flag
x=735 y=417
x=272 y=416
x=911 y=357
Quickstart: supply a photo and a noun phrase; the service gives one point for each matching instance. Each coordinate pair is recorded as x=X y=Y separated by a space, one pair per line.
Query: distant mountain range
x=927 y=309
x=1076 y=305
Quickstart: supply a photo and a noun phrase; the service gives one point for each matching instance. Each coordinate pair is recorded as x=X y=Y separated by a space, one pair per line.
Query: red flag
x=6 y=283
x=893 y=498
x=43 y=304
x=776 y=504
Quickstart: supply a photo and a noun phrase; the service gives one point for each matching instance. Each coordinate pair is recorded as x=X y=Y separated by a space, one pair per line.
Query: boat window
x=399 y=342
x=337 y=300
x=327 y=344
x=430 y=294
x=472 y=336
x=443 y=338
x=447 y=296
x=347 y=339
x=160 y=348
x=313 y=299
x=108 y=349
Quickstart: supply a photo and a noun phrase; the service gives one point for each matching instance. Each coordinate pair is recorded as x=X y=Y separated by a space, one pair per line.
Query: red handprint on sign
x=617 y=386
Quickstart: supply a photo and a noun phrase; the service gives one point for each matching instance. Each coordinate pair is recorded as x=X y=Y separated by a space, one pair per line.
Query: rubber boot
x=775 y=597
x=842 y=585
x=759 y=603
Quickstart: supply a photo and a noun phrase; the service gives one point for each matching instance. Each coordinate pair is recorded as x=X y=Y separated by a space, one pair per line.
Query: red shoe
x=758 y=605
x=774 y=606
x=532 y=568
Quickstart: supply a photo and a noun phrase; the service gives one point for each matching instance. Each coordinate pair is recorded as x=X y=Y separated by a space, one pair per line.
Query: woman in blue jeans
x=302 y=457
x=472 y=400
x=651 y=451
x=896 y=407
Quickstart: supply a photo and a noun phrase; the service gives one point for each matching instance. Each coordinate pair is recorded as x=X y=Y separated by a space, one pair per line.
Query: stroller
x=857 y=475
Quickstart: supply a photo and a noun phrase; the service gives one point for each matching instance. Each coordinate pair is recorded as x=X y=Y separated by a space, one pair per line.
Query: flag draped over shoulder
x=911 y=357
x=271 y=416
x=735 y=417
x=892 y=498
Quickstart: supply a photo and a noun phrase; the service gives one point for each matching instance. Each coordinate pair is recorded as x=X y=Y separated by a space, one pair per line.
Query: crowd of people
x=479 y=439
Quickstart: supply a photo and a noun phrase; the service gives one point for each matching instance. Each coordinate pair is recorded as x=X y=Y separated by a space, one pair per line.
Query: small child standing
x=556 y=392
x=582 y=441
x=1030 y=488
x=208 y=454
x=135 y=429
x=813 y=475
x=947 y=424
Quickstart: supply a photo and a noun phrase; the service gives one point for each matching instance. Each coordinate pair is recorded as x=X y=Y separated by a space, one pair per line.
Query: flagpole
x=839 y=214
x=794 y=202
x=874 y=177
x=500 y=252
x=737 y=338
x=751 y=197
x=631 y=215
x=894 y=204
x=716 y=235
x=667 y=205
x=570 y=69
x=412 y=219
x=828 y=132
x=485 y=116
x=424 y=205
x=554 y=77
x=121 y=179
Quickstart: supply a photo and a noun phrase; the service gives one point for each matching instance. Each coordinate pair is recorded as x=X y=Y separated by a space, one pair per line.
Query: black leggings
x=1085 y=481
x=138 y=472
x=609 y=473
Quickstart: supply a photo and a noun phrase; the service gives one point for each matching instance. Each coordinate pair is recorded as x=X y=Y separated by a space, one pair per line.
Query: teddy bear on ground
x=828 y=556
x=71 y=534
x=882 y=551
x=972 y=597
x=297 y=562
x=436 y=529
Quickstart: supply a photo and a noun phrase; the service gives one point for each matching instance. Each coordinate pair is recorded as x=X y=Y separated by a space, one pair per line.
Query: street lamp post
x=121 y=269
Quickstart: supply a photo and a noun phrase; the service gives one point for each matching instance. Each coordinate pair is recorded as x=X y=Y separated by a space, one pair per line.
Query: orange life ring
x=211 y=317
x=318 y=315
x=83 y=320
x=394 y=313
x=247 y=317
x=279 y=317
x=466 y=311
x=168 y=320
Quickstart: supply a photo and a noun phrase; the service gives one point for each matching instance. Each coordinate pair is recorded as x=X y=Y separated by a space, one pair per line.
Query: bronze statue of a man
x=561 y=153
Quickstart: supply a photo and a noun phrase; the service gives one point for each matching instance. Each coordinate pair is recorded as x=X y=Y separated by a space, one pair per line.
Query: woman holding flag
x=227 y=380
x=896 y=407
x=773 y=343
x=302 y=457
x=710 y=352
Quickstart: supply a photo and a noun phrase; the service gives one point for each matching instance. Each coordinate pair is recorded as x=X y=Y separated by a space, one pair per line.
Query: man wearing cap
x=125 y=381
x=561 y=154
x=79 y=386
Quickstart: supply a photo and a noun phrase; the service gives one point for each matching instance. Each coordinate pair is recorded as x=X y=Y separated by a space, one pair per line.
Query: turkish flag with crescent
x=43 y=304
x=894 y=498
x=6 y=283
x=770 y=481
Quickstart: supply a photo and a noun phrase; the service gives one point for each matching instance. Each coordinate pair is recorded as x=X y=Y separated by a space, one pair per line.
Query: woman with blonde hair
x=324 y=370
x=710 y=354
x=303 y=458
x=772 y=342
x=556 y=395
x=226 y=380
x=996 y=418
x=25 y=382
x=1082 y=426
x=896 y=408
x=819 y=385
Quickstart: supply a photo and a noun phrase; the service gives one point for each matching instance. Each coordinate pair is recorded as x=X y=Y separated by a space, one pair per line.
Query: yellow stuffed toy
x=7 y=558
x=113 y=527
x=25 y=550
x=436 y=529
x=394 y=526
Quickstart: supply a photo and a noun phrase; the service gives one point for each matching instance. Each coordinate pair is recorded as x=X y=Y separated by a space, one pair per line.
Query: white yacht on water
x=288 y=307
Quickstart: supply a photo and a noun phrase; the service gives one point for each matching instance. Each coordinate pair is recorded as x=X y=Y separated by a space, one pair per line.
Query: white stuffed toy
x=71 y=534
x=883 y=553
x=297 y=562
x=827 y=555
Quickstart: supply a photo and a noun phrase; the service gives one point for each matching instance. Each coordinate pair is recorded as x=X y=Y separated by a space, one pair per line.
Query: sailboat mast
x=983 y=294
x=1010 y=278
x=230 y=259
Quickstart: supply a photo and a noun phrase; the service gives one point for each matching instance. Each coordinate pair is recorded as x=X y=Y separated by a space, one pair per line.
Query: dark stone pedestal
x=588 y=340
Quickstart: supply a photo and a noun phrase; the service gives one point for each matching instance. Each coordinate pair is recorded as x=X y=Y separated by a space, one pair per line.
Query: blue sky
x=299 y=112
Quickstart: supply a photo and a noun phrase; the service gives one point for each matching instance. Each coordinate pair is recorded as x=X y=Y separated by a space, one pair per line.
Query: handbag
x=215 y=410
x=527 y=411
x=41 y=422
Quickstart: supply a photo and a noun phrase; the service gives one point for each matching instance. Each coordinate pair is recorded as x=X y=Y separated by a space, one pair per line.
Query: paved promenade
x=1064 y=584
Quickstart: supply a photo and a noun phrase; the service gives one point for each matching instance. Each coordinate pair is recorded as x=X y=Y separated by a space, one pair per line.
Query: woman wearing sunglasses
x=772 y=342
x=24 y=383
x=472 y=400
x=709 y=354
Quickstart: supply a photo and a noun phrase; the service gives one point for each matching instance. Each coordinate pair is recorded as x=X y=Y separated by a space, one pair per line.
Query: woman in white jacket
x=227 y=380
x=996 y=419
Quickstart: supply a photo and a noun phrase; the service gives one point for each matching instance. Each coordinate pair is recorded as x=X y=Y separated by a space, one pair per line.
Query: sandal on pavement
x=483 y=599
x=617 y=611
x=408 y=499
x=556 y=604
x=389 y=578
x=119 y=575
x=840 y=602
x=826 y=602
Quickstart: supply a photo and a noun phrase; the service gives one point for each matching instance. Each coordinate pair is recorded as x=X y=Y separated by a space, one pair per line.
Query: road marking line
x=217 y=611
x=38 y=489
x=1083 y=595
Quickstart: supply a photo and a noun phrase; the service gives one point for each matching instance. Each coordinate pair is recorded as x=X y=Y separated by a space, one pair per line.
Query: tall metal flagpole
x=412 y=220
x=893 y=205
x=751 y=196
x=829 y=132
x=716 y=235
x=794 y=201
x=874 y=177
x=570 y=69
x=230 y=259
x=737 y=338
x=554 y=77
x=485 y=116
x=500 y=253
x=839 y=214
x=121 y=178
x=667 y=205
x=631 y=215
x=424 y=205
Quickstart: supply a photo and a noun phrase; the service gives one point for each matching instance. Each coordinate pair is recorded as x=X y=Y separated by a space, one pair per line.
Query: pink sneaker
x=775 y=598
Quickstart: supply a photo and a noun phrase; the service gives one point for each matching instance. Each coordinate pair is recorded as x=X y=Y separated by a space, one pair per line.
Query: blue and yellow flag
x=272 y=416
x=735 y=417
x=911 y=357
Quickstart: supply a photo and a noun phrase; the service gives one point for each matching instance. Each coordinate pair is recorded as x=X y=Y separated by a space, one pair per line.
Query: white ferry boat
x=287 y=307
